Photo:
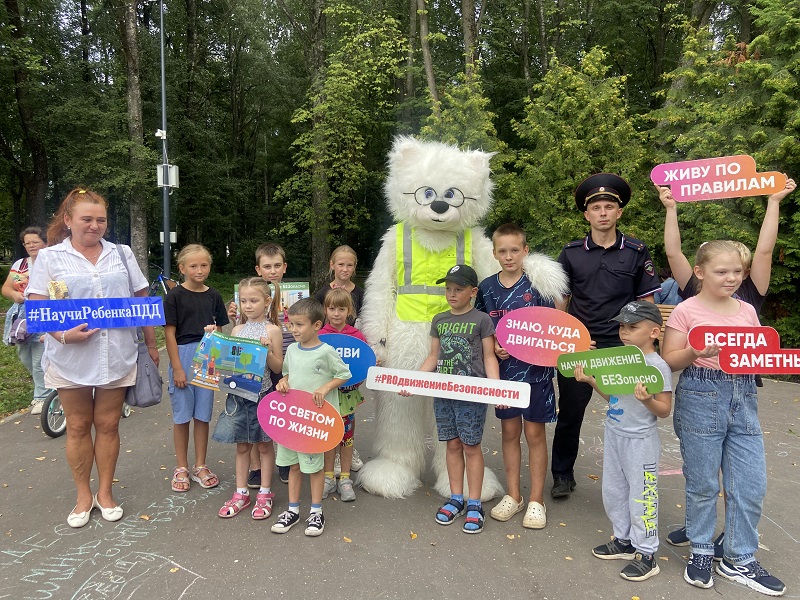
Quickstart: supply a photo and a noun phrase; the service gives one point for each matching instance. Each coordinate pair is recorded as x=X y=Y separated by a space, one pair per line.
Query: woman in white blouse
x=91 y=368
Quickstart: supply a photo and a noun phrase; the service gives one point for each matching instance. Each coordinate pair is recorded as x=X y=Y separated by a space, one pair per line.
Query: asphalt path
x=173 y=546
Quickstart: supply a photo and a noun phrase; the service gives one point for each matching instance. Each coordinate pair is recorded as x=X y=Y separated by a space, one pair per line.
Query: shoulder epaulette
x=634 y=244
x=574 y=243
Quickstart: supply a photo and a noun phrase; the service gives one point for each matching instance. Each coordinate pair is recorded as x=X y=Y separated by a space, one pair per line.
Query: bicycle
x=161 y=284
x=54 y=423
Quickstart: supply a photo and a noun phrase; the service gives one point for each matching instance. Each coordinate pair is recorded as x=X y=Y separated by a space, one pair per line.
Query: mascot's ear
x=480 y=161
x=405 y=150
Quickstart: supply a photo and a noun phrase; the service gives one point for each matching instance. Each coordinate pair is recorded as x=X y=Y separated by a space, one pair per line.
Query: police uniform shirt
x=603 y=280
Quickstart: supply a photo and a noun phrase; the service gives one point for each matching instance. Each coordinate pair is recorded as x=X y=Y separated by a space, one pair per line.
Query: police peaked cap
x=602 y=185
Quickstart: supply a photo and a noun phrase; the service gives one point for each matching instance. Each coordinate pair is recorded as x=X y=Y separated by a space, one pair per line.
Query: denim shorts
x=459 y=419
x=190 y=402
x=542 y=408
x=238 y=423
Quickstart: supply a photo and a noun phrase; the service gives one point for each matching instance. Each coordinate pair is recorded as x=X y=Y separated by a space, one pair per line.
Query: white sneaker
x=357 y=462
x=507 y=508
x=36 y=407
x=535 y=516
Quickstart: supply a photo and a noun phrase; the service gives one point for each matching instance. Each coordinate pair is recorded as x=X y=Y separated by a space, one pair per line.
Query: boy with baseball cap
x=462 y=343
x=631 y=449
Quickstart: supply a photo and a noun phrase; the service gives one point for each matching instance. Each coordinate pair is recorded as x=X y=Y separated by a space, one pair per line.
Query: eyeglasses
x=426 y=195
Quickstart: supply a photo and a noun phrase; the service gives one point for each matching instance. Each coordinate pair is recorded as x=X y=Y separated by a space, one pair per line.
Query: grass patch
x=16 y=385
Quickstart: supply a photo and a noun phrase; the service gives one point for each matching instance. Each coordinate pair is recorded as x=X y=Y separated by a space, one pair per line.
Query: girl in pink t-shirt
x=716 y=420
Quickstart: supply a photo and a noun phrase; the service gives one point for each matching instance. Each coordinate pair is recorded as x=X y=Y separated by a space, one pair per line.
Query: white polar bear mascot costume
x=437 y=194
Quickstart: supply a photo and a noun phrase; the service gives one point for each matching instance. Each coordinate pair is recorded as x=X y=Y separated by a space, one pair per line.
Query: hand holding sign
x=537 y=335
x=747 y=350
x=616 y=370
x=294 y=421
x=717 y=178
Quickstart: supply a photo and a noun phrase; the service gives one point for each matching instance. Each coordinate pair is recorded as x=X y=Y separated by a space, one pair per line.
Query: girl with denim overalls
x=716 y=420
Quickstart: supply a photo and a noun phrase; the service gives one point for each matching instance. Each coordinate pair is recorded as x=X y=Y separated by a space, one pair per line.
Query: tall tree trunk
x=427 y=58
x=133 y=96
x=470 y=33
x=320 y=229
x=543 y=47
x=35 y=181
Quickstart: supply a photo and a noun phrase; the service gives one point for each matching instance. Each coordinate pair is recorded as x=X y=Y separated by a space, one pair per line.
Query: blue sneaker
x=678 y=537
x=753 y=575
x=698 y=571
x=718 y=552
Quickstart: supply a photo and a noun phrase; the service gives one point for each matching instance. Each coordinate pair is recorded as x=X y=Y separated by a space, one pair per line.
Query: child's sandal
x=448 y=513
x=263 y=507
x=473 y=523
x=204 y=479
x=180 y=477
x=234 y=506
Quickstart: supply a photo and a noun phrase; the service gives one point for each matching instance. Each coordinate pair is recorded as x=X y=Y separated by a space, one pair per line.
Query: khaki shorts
x=55 y=381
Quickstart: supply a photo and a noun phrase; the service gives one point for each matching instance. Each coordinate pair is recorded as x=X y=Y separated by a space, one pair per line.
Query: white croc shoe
x=535 y=516
x=507 y=508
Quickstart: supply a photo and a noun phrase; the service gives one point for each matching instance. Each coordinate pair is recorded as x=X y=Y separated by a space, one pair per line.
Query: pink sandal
x=203 y=481
x=263 y=506
x=181 y=480
x=235 y=505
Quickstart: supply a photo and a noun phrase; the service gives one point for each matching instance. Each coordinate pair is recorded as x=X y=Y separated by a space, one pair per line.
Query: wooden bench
x=666 y=311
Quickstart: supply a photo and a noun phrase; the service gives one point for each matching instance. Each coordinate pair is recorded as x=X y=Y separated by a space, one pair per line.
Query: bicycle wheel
x=54 y=423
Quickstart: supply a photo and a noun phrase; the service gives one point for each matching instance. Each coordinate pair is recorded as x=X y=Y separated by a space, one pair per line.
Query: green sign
x=617 y=370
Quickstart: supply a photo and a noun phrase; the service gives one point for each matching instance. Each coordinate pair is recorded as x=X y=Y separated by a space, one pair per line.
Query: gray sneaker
x=330 y=487
x=614 y=549
x=36 y=407
x=643 y=566
x=346 y=492
x=357 y=462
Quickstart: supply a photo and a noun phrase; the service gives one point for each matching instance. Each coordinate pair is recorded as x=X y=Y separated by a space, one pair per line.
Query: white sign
x=458 y=387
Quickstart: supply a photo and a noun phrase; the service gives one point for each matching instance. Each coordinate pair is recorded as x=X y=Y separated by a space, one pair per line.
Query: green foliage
x=578 y=124
x=350 y=102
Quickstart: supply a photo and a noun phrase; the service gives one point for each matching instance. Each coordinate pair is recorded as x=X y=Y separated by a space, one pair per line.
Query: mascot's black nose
x=439 y=207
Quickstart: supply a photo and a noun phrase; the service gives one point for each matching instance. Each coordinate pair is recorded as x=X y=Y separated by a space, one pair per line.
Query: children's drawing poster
x=230 y=364
x=292 y=291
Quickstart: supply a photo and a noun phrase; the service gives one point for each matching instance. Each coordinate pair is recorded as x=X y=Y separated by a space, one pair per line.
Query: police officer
x=606 y=270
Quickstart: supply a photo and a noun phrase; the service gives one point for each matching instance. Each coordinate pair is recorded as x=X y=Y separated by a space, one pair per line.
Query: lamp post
x=162 y=133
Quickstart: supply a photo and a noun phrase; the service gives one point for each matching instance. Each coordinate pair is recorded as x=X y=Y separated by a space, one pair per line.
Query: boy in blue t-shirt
x=462 y=343
x=497 y=295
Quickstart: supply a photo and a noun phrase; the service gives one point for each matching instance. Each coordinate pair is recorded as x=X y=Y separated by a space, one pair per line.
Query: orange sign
x=294 y=421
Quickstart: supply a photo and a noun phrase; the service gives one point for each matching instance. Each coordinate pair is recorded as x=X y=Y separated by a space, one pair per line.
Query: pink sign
x=538 y=335
x=294 y=421
x=747 y=350
x=717 y=178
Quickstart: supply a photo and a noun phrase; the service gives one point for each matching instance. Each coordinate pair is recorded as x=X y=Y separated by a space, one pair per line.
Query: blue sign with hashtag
x=97 y=313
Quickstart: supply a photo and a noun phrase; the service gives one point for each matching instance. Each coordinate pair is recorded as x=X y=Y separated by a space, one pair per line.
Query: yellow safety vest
x=419 y=298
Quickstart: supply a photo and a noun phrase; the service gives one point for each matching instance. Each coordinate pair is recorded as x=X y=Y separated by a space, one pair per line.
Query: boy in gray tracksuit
x=631 y=449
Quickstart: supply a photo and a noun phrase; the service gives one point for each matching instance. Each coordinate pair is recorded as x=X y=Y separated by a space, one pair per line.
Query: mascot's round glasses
x=426 y=195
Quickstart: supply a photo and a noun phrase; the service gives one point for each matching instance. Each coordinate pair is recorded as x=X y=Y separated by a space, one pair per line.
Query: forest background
x=281 y=113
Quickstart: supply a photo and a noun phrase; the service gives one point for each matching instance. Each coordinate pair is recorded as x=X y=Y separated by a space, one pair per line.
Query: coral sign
x=295 y=422
x=538 y=335
x=717 y=178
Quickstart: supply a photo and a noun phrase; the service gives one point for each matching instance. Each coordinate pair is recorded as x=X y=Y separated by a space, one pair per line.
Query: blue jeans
x=716 y=417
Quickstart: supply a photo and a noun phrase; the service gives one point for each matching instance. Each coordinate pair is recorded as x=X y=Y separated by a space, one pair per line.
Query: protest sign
x=537 y=335
x=295 y=422
x=356 y=354
x=458 y=387
x=230 y=364
x=717 y=178
x=617 y=370
x=747 y=350
x=97 y=313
